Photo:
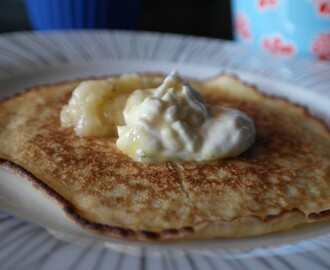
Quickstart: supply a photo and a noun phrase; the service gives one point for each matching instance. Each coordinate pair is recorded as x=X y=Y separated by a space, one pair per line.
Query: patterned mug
x=286 y=27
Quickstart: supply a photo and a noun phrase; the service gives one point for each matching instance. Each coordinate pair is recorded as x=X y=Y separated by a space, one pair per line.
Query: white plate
x=28 y=59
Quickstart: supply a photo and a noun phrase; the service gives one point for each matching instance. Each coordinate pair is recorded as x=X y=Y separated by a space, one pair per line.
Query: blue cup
x=286 y=27
x=82 y=14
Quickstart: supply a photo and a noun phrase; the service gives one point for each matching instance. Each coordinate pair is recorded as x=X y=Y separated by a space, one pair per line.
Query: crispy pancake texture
x=282 y=181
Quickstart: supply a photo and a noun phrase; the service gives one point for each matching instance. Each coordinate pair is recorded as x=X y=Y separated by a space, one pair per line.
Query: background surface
x=210 y=18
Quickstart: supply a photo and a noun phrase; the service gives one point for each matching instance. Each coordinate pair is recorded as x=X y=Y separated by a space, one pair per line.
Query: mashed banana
x=96 y=106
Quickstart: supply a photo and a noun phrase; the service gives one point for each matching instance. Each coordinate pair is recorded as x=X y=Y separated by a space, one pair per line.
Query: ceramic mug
x=286 y=27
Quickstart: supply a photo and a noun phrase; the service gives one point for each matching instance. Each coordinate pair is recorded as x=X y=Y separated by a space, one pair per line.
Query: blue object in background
x=82 y=14
x=284 y=26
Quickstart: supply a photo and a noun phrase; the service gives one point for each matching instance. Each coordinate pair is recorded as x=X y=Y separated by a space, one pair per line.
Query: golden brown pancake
x=282 y=181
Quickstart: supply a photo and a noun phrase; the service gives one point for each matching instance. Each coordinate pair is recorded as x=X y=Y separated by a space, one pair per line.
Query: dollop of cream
x=172 y=122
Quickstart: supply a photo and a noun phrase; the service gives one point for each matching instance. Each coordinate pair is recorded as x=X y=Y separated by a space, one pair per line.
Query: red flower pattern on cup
x=242 y=26
x=266 y=3
x=276 y=44
x=321 y=46
x=323 y=7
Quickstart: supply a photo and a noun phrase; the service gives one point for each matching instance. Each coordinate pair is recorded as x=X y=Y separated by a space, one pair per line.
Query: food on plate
x=169 y=122
x=280 y=180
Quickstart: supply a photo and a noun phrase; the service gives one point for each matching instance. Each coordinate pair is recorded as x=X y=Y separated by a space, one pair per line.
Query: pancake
x=281 y=181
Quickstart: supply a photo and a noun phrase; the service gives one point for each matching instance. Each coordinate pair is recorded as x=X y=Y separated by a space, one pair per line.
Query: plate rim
x=175 y=35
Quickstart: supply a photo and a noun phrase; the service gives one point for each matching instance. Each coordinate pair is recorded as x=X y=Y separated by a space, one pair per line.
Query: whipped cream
x=172 y=122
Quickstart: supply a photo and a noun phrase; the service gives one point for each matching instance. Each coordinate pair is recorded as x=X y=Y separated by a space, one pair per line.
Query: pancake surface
x=282 y=181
